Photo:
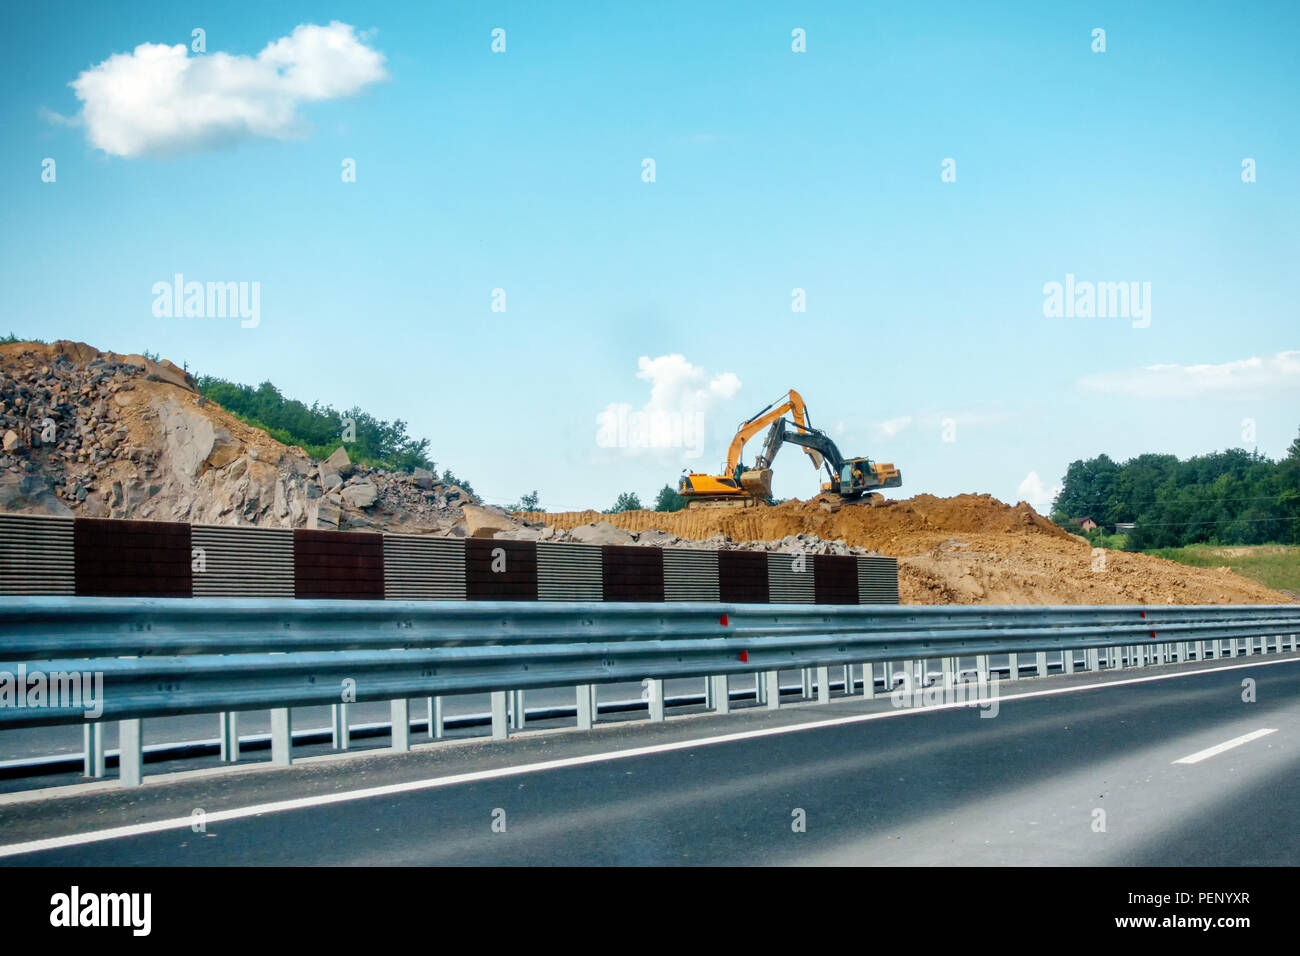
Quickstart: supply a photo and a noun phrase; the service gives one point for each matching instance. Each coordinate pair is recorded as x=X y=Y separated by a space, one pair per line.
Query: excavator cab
x=850 y=477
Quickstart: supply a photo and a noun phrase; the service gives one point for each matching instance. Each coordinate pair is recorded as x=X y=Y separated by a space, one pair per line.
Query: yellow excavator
x=738 y=487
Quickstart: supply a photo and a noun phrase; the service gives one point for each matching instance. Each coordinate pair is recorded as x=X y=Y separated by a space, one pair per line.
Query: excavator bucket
x=757 y=482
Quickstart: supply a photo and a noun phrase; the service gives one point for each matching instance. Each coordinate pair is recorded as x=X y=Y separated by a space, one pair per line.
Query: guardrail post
x=228 y=729
x=848 y=679
x=824 y=685
x=1250 y=641
x=583 y=693
x=92 y=734
x=400 y=711
x=1093 y=659
x=805 y=675
x=435 y=718
x=1232 y=647
x=341 y=728
x=500 y=729
x=982 y=669
x=721 y=694
x=1067 y=660
x=656 y=701
x=1182 y=652
x=517 y=713
x=708 y=693
x=281 y=736
x=1041 y=661
x=773 y=679
x=1013 y=667
x=130 y=752
x=945 y=665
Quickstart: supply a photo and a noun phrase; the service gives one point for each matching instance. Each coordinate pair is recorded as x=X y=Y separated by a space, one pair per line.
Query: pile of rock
x=354 y=497
x=603 y=533
x=59 y=426
x=102 y=435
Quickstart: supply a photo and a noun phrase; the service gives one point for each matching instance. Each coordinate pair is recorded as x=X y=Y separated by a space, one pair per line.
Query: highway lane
x=928 y=787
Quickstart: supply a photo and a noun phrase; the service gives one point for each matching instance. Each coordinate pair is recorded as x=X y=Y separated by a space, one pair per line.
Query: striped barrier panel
x=103 y=557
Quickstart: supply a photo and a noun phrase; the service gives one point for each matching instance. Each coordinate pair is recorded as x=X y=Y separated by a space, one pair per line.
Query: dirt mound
x=969 y=549
x=908 y=526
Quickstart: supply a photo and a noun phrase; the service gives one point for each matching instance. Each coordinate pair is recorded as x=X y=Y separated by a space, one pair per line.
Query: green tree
x=669 y=500
x=320 y=429
x=1225 y=497
x=528 y=502
x=627 y=501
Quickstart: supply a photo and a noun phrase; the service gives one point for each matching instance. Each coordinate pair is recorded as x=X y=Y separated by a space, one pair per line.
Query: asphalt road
x=1086 y=776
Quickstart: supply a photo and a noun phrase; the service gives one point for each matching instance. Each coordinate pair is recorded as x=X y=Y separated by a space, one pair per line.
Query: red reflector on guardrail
x=723 y=620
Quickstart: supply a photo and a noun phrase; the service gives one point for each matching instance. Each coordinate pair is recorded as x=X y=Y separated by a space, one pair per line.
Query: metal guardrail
x=160 y=656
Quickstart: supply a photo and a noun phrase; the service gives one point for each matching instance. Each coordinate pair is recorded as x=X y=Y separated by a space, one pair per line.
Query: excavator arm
x=793 y=404
x=849 y=477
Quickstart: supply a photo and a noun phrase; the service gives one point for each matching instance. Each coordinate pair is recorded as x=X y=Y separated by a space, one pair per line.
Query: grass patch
x=1275 y=566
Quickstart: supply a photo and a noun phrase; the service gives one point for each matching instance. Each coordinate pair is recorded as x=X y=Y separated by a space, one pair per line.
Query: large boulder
x=340 y=462
x=601 y=532
x=361 y=495
x=324 y=514
x=188 y=439
x=30 y=494
x=329 y=478
x=483 y=522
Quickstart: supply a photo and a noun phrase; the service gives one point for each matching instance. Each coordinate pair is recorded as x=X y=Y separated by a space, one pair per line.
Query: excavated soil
x=969 y=549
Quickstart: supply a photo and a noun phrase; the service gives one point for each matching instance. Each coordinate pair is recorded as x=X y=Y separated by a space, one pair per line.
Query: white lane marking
x=1217 y=749
x=433 y=783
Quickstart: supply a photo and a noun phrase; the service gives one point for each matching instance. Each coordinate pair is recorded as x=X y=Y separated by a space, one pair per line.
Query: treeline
x=320 y=429
x=1223 y=498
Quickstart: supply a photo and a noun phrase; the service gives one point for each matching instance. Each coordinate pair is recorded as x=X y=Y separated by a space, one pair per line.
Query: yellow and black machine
x=739 y=487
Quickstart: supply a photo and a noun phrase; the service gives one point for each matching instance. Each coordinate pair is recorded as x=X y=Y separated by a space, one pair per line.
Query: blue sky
x=774 y=171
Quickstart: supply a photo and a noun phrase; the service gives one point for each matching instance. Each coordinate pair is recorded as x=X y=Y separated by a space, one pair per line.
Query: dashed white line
x=1217 y=749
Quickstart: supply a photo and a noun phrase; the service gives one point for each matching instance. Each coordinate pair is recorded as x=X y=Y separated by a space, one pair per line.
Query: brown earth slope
x=969 y=549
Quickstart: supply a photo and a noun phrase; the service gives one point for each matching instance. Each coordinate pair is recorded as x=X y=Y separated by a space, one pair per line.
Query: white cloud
x=892 y=427
x=674 y=416
x=159 y=100
x=1036 y=493
x=1238 y=379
